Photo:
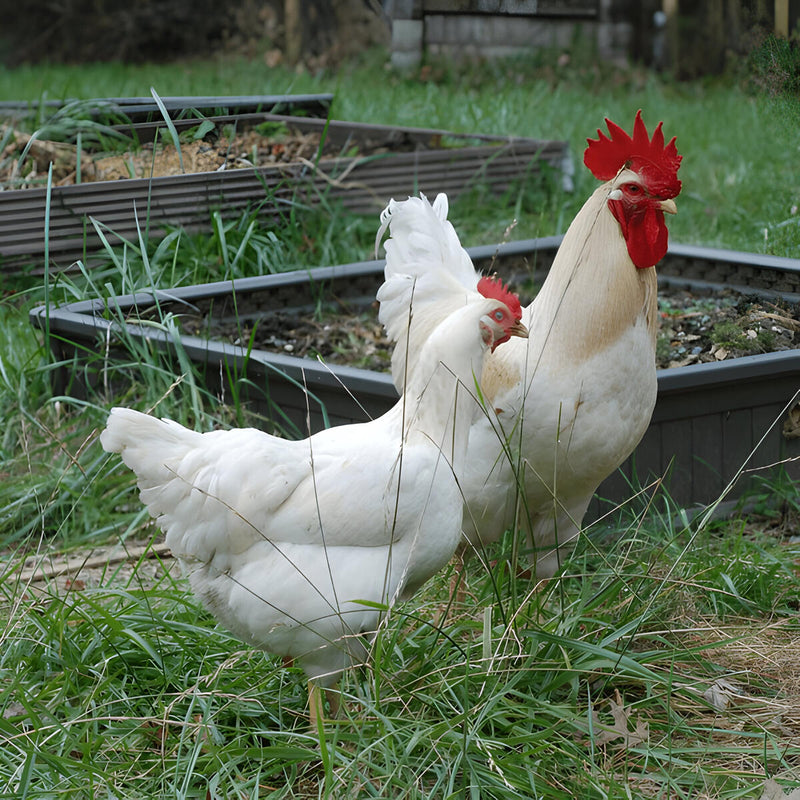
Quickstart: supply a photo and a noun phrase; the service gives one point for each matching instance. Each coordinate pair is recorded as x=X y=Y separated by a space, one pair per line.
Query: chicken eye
x=633 y=188
x=498 y=315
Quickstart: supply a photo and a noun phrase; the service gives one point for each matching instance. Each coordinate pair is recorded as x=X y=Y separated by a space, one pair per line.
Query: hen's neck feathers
x=438 y=401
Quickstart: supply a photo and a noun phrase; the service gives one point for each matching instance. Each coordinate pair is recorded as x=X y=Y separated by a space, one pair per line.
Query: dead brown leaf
x=620 y=729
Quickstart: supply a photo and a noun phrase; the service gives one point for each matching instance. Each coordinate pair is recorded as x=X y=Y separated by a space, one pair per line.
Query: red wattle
x=645 y=233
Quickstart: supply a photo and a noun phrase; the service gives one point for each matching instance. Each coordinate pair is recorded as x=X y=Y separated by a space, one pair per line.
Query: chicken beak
x=518 y=329
x=668 y=206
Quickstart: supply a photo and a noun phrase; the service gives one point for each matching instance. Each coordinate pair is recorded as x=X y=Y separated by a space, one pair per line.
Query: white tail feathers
x=428 y=275
x=147 y=444
x=176 y=471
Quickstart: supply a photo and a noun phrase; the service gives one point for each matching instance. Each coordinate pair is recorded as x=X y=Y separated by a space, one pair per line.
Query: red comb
x=657 y=164
x=494 y=289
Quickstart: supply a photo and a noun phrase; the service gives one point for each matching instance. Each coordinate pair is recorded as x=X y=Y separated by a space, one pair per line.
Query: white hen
x=574 y=400
x=283 y=540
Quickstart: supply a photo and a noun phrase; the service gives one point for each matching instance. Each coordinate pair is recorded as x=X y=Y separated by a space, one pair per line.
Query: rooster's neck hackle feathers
x=592 y=294
x=655 y=163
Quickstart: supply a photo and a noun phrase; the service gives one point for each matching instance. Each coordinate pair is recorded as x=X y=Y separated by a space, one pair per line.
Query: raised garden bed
x=361 y=165
x=708 y=418
x=113 y=138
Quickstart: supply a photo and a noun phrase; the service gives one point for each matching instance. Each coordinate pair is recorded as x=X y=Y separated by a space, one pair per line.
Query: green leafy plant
x=198 y=132
x=730 y=334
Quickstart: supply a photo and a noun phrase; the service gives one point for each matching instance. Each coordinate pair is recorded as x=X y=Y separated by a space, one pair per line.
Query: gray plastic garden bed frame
x=145 y=109
x=397 y=162
x=707 y=420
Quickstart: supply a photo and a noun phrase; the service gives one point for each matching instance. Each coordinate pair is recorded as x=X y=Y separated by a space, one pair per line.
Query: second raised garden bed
x=709 y=419
x=360 y=165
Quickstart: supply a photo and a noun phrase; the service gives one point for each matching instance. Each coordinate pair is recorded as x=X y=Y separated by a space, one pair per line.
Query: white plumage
x=571 y=402
x=283 y=540
x=431 y=272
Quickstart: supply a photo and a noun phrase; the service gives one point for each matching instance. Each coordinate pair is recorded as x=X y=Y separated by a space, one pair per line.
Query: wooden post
x=293 y=31
x=670 y=8
x=782 y=18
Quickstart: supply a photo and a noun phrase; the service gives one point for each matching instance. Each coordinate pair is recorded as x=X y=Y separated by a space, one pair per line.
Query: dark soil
x=337 y=337
x=694 y=329
x=703 y=328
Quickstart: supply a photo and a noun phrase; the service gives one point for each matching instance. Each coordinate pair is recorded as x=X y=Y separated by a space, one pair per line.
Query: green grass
x=123 y=688
x=740 y=170
x=129 y=691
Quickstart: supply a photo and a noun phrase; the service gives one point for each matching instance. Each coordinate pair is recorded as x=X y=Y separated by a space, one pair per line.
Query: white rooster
x=290 y=544
x=574 y=400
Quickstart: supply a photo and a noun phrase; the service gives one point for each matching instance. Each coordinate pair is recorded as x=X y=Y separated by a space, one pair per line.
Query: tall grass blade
x=173 y=132
x=48 y=200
